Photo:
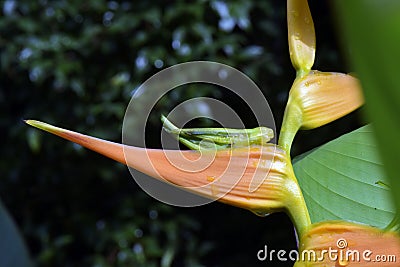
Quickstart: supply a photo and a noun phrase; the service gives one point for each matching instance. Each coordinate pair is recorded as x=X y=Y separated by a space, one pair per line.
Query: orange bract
x=325 y=96
x=317 y=99
x=225 y=175
x=364 y=246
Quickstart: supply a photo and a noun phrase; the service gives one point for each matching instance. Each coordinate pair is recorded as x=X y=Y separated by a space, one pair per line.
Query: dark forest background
x=75 y=64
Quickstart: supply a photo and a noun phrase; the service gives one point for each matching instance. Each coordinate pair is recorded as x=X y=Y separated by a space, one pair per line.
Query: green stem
x=300 y=73
x=292 y=121
x=296 y=207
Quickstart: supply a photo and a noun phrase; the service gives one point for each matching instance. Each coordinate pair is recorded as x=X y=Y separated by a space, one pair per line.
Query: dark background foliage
x=75 y=64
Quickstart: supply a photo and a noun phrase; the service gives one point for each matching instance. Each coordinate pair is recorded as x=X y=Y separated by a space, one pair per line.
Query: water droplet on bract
x=210 y=178
x=254 y=164
x=343 y=262
x=261 y=213
x=214 y=190
x=307 y=20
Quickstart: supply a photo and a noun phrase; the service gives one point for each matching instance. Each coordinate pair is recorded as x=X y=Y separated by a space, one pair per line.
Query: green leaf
x=12 y=248
x=372 y=34
x=342 y=180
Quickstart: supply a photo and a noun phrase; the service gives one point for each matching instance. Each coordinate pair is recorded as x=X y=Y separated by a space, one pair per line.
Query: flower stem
x=292 y=121
x=296 y=206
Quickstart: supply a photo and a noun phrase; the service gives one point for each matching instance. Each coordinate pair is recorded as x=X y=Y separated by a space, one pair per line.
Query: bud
x=301 y=35
x=340 y=243
x=317 y=99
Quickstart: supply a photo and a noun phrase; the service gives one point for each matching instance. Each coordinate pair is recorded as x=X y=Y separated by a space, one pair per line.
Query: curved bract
x=225 y=175
x=338 y=243
x=317 y=99
x=325 y=96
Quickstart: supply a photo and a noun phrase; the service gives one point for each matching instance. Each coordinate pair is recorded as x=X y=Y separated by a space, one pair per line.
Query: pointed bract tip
x=43 y=126
x=34 y=123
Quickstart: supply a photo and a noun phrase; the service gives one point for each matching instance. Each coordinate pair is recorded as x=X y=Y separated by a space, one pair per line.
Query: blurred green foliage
x=76 y=64
x=375 y=54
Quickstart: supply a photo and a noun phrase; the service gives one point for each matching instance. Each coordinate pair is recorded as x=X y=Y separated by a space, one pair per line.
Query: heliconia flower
x=225 y=175
x=301 y=36
x=340 y=243
x=317 y=99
